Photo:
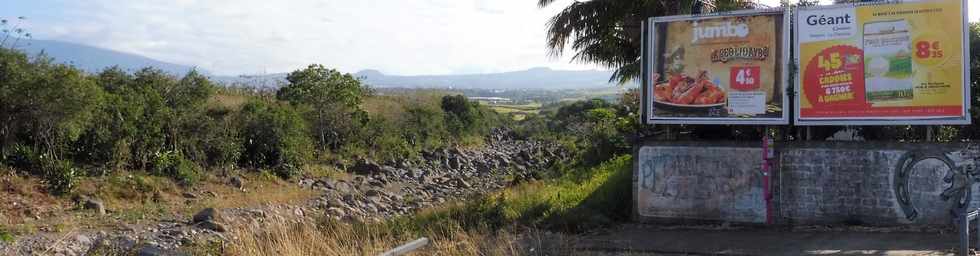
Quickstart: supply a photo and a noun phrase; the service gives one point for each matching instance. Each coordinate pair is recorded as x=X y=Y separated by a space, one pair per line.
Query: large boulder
x=206 y=215
x=365 y=167
x=90 y=203
x=209 y=218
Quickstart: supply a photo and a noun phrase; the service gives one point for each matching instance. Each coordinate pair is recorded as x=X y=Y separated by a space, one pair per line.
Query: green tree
x=463 y=116
x=333 y=97
x=53 y=104
x=607 y=32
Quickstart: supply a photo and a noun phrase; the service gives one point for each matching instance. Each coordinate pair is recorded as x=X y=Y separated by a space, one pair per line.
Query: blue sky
x=230 y=37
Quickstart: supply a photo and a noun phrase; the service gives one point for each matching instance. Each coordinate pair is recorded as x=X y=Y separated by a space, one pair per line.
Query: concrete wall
x=813 y=183
x=701 y=183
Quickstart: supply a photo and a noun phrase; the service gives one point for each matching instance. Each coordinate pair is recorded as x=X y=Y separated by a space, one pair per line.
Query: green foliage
x=595 y=130
x=60 y=176
x=333 y=98
x=58 y=122
x=173 y=164
x=213 y=138
x=464 y=117
x=275 y=136
x=424 y=127
x=583 y=199
x=46 y=105
x=6 y=236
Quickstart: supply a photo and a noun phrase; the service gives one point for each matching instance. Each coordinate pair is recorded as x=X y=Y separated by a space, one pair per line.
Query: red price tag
x=745 y=78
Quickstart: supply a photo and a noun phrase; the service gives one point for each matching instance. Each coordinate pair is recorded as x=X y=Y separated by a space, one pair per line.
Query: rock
x=365 y=167
x=208 y=214
x=212 y=225
x=454 y=162
x=335 y=202
x=151 y=250
x=306 y=183
x=237 y=182
x=459 y=182
x=335 y=211
x=343 y=187
x=372 y=193
x=93 y=204
x=189 y=195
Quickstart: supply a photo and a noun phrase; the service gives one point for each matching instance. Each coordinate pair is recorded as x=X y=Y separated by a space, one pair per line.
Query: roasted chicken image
x=685 y=90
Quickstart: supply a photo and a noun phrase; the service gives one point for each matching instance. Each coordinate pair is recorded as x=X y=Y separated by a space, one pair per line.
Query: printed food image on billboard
x=718 y=70
x=896 y=63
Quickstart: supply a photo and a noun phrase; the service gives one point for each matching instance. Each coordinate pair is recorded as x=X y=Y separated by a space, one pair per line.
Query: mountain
x=93 y=59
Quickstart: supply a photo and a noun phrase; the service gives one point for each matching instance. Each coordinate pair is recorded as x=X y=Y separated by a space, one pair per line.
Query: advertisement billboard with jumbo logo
x=717 y=69
x=882 y=64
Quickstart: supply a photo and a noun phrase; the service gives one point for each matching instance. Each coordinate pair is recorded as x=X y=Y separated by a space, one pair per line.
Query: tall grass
x=516 y=221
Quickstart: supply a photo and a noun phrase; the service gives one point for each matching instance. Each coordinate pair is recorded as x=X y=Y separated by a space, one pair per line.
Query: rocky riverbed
x=369 y=192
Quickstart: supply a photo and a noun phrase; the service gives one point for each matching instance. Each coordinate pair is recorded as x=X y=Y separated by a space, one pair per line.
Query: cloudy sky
x=229 y=37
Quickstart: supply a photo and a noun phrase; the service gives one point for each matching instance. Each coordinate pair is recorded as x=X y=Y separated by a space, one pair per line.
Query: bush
x=23 y=158
x=212 y=138
x=173 y=164
x=275 y=137
x=424 y=127
x=59 y=175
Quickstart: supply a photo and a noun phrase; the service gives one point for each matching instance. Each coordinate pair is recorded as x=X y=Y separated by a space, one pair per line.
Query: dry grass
x=229 y=100
x=140 y=197
x=495 y=224
x=26 y=208
x=336 y=238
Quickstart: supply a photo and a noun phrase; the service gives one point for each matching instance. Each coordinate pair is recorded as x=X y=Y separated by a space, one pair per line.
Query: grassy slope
x=506 y=222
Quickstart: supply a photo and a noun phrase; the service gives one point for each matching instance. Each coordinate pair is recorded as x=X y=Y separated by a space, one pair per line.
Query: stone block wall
x=882 y=184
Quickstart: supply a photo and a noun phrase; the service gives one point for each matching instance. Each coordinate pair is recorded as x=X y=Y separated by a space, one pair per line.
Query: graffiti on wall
x=930 y=183
x=701 y=183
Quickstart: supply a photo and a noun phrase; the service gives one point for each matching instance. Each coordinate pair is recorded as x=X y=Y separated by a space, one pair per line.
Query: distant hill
x=93 y=59
x=535 y=78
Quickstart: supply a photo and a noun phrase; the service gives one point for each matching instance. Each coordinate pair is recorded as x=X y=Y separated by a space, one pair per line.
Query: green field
x=518 y=112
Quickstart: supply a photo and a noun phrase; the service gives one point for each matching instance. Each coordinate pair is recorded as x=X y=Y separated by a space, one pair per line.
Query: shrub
x=23 y=158
x=424 y=127
x=212 y=138
x=173 y=164
x=59 y=175
x=274 y=136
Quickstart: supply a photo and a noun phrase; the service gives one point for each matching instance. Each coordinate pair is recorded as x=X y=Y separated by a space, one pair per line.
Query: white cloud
x=252 y=36
x=255 y=36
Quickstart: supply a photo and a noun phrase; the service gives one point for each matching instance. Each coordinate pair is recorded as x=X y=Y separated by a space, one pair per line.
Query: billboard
x=717 y=69
x=881 y=64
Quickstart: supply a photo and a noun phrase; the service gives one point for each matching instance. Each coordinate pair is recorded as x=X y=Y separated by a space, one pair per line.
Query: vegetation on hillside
x=515 y=221
x=60 y=123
